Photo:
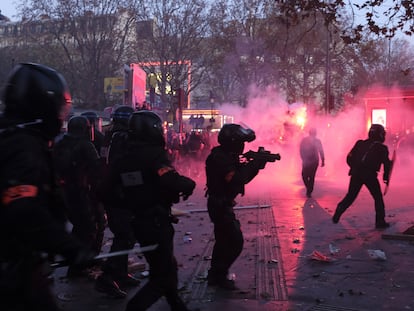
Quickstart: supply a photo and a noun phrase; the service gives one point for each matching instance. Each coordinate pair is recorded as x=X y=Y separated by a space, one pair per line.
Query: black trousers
x=81 y=215
x=371 y=182
x=228 y=237
x=120 y=224
x=98 y=213
x=163 y=277
x=227 y=248
x=308 y=176
x=25 y=285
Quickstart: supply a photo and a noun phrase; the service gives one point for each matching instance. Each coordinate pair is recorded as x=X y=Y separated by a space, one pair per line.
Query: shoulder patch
x=164 y=170
x=18 y=192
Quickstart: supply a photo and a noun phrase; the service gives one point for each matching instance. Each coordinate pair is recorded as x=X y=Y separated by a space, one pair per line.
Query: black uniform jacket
x=143 y=178
x=366 y=158
x=29 y=209
x=226 y=176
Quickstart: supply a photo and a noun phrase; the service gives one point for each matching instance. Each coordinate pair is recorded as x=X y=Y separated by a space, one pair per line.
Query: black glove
x=189 y=186
x=175 y=198
x=186 y=196
x=176 y=185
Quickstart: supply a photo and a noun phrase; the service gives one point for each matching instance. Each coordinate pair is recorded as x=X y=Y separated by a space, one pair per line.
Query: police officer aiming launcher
x=227 y=176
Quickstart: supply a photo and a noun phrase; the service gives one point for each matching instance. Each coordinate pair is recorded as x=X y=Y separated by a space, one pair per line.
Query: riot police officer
x=149 y=185
x=97 y=136
x=117 y=134
x=115 y=277
x=98 y=139
x=77 y=163
x=365 y=160
x=226 y=178
x=36 y=100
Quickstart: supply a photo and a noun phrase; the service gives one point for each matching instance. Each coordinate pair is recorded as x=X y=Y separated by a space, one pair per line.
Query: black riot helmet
x=233 y=136
x=37 y=94
x=92 y=116
x=121 y=115
x=79 y=127
x=377 y=133
x=145 y=125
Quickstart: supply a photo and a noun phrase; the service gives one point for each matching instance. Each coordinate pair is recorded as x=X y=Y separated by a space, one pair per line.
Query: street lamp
x=212 y=120
x=328 y=71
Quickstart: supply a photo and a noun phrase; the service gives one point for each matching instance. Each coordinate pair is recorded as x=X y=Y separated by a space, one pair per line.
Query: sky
x=8 y=8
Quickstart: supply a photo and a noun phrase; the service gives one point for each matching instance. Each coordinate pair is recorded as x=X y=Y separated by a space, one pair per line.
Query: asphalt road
x=294 y=257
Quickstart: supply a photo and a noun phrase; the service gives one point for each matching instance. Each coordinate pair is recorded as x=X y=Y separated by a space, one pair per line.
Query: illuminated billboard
x=379 y=116
x=139 y=80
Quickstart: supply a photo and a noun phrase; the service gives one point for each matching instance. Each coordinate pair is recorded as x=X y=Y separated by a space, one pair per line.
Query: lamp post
x=212 y=120
x=328 y=71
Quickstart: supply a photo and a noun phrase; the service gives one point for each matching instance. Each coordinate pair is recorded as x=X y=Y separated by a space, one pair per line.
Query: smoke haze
x=279 y=128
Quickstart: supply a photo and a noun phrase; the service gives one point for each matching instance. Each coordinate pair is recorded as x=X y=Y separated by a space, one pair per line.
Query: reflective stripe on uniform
x=18 y=192
x=164 y=170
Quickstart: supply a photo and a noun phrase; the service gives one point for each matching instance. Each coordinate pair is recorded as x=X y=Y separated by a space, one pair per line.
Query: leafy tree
x=380 y=17
x=387 y=17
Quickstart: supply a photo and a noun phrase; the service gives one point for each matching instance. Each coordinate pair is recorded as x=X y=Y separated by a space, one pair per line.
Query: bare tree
x=300 y=45
x=387 y=62
x=304 y=48
x=260 y=44
x=170 y=44
x=243 y=57
x=89 y=38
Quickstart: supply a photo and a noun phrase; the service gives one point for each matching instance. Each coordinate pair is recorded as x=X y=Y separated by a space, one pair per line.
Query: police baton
x=394 y=156
x=135 y=250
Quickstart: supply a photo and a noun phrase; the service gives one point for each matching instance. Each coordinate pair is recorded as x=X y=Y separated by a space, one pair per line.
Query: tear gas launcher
x=261 y=155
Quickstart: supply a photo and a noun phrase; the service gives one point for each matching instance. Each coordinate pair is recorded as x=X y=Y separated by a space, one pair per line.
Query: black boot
x=128 y=281
x=382 y=224
x=176 y=303
x=105 y=284
x=221 y=282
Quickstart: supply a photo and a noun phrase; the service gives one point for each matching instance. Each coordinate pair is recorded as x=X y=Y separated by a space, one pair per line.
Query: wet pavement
x=294 y=257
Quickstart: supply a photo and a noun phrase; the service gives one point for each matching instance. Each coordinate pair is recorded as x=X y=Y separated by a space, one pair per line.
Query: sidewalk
x=282 y=228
